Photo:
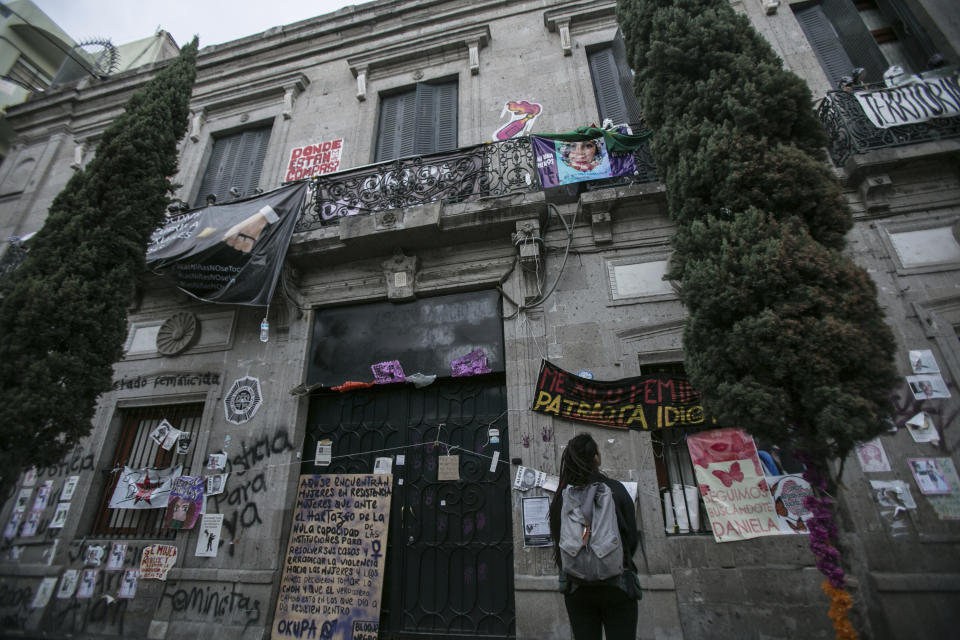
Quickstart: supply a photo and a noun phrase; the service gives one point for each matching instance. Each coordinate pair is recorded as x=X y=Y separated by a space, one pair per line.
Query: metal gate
x=449 y=571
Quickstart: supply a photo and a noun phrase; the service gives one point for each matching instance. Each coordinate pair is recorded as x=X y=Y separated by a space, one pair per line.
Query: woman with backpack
x=583 y=499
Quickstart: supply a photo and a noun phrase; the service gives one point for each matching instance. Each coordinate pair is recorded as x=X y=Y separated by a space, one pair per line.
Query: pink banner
x=732 y=484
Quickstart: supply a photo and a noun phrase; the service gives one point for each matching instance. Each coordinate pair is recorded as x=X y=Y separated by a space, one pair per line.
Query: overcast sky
x=215 y=21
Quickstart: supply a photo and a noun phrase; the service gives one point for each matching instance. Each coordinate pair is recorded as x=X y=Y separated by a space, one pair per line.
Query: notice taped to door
x=333 y=573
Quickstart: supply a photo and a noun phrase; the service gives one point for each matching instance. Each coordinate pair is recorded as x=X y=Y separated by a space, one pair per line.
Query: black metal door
x=449 y=571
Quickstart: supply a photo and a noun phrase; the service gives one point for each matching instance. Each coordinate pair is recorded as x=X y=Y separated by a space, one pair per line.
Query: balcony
x=851 y=133
x=488 y=170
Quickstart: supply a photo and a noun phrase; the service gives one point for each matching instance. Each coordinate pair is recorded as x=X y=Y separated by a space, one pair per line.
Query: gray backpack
x=590 y=545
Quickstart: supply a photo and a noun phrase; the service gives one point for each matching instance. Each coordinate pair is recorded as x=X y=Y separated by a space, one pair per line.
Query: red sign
x=314 y=160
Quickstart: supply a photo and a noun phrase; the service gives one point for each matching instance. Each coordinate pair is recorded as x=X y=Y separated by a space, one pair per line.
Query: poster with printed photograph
x=13 y=525
x=128 y=586
x=185 y=504
x=43 y=496
x=31 y=524
x=68 y=584
x=216 y=461
x=118 y=552
x=922 y=361
x=60 y=515
x=947 y=505
x=29 y=477
x=165 y=435
x=183 y=443
x=216 y=483
x=23 y=500
x=208 y=542
x=872 y=456
x=44 y=591
x=93 y=555
x=928 y=387
x=536 y=522
x=527 y=478
x=88 y=581
x=561 y=162
x=922 y=428
x=69 y=486
x=929 y=475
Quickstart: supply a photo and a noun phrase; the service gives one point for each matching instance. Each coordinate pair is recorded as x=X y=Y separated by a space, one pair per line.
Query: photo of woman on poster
x=582 y=160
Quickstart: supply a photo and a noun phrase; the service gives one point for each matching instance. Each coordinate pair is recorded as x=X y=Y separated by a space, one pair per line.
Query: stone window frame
x=658 y=255
x=888 y=229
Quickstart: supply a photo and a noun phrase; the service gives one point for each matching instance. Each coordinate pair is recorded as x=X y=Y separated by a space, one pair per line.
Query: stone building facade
x=411 y=109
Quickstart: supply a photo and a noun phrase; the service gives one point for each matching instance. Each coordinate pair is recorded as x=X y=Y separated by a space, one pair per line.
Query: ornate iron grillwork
x=449 y=567
x=490 y=169
x=851 y=132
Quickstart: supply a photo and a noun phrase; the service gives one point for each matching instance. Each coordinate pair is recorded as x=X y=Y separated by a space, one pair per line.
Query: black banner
x=229 y=253
x=644 y=402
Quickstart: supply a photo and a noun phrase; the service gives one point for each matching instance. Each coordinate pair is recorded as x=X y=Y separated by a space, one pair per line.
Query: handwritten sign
x=157 y=560
x=333 y=574
x=917 y=101
x=314 y=160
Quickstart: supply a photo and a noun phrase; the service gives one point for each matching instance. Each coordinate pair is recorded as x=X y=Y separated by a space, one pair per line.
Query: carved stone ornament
x=178 y=333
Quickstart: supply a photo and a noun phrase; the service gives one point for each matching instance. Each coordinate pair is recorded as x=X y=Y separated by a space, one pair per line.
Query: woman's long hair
x=577 y=465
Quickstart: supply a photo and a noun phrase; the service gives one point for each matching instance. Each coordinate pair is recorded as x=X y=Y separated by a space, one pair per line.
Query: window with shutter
x=418 y=121
x=841 y=40
x=235 y=161
x=613 y=84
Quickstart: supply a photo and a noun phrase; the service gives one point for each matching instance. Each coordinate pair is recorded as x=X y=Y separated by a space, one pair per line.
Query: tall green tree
x=63 y=318
x=785 y=337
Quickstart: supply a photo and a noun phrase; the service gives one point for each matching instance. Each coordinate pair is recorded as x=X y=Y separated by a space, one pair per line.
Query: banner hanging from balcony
x=566 y=162
x=935 y=95
x=230 y=253
x=645 y=402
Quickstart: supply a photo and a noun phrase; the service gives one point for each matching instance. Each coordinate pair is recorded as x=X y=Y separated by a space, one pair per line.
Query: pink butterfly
x=727 y=477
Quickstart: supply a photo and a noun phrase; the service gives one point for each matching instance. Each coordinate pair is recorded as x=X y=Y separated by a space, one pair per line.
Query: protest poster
x=229 y=253
x=936 y=94
x=69 y=486
x=947 y=505
x=117 y=554
x=734 y=490
x=789 y=492
x=43 y=496
x=93 y=555
x=314 y=160
x=333 y=572
x=929 y=475
x=208 y=542
x=128 y=587
x=565 y=162
x=60 y=515
x=29 y=477
x=31 y=524
x=68 y=584
x=872 y=456
x=165 y=435
x=644 y=402
x=13 y=525
x=216 y=483
x=155 y=562
x=536 y=522
x=88 y=581
x=144 y=488
x=928 y=387
x=23 y=499
x=185 y=503
x=43 y=593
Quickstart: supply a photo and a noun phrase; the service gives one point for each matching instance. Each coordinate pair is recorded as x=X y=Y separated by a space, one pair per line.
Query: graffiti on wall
x=241 y=504
x=522 y=115
x=220 y=602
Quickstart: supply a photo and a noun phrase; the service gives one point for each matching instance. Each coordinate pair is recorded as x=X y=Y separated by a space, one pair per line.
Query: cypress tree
x=785 y=337
x=63 y=313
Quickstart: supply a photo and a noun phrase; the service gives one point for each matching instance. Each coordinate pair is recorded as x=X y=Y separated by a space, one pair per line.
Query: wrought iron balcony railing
x=470 y=173
x=851 y=132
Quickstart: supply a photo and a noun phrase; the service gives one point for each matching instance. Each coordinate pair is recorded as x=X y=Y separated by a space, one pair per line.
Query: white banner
x=913 y=102
x=144 y=488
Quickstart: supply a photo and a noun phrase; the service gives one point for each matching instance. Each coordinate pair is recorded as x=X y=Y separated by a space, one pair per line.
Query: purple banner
x=560 y=162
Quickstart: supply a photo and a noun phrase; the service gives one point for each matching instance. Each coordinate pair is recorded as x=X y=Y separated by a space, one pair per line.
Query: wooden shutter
x=235 y=161
x=613 y=84
x=397 y=117
x=856 y=38
x=420 y=121
x=825 y=42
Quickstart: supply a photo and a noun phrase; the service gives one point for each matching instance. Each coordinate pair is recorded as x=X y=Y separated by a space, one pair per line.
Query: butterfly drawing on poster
x=731 y=476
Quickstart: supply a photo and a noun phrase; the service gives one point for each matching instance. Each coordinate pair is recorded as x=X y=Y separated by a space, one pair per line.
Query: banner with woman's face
x=560 y=162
